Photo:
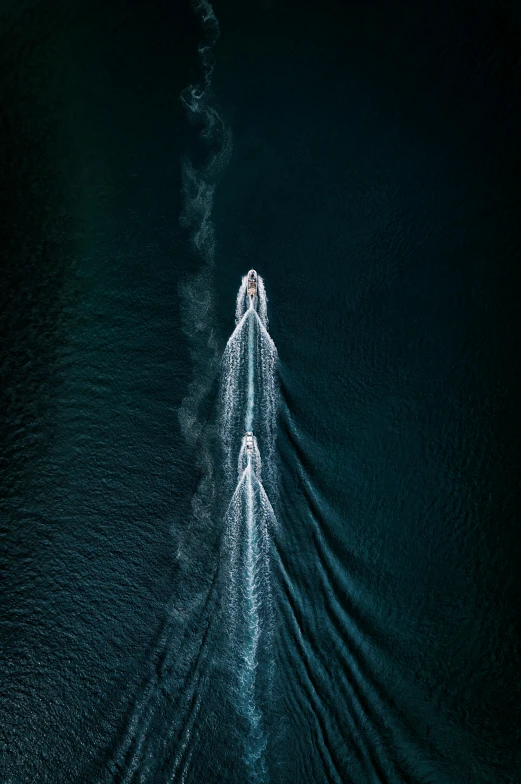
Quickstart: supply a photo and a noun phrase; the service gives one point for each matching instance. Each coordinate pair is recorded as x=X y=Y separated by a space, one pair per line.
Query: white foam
x=198 y=187
x=249 y=402
x=248 y=605
x=249 y=395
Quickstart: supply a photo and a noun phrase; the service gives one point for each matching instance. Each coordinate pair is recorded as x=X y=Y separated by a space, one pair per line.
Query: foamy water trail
x=163 y=720
x=199 y=183
x=248 y=425
x=254 y=588
x=249 y=397
x=248 y=604
x=248 y=428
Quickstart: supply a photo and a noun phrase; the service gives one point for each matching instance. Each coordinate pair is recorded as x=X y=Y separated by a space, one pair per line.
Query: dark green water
x=374 y=184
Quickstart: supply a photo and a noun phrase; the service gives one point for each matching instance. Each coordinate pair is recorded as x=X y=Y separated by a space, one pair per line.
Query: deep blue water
x=373 y=182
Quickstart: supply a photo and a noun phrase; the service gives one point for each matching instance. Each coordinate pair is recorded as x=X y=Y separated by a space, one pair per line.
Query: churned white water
x=248 y=391
x=249 y=404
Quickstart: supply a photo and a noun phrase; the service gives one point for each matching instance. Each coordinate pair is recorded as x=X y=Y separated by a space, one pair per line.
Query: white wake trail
x=249 y=395
x=249 y=403
x=248 y=609
x=197 y=301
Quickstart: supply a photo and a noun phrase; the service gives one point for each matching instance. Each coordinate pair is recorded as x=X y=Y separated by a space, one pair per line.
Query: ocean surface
x=336 y=601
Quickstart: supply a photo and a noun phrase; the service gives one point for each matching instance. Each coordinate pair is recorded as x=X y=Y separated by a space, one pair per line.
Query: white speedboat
x=252 y=283
x=249 y=441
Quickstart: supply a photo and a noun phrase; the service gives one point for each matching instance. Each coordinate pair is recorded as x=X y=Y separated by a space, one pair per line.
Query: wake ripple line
x=249 y=405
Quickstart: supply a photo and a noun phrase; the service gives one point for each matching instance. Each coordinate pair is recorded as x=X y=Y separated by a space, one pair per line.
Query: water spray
x=249 y=404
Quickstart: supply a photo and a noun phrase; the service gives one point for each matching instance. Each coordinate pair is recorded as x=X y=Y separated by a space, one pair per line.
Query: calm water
x=342 y=605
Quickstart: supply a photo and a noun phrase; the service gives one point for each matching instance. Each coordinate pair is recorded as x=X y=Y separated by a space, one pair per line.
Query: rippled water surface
x=338 y=600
